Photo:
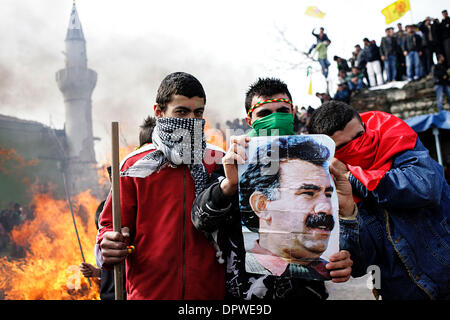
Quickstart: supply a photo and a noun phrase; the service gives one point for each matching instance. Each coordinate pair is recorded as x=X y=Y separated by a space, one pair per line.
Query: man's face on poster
x=297 y=225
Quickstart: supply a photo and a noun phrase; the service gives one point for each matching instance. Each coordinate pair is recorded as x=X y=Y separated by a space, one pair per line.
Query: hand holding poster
x=289 y=206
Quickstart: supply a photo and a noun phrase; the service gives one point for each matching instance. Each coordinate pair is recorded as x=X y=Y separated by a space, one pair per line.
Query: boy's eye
x=284 y=110
x=264 y=113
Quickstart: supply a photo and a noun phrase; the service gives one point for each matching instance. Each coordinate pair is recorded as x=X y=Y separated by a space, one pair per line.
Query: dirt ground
x=353 y=289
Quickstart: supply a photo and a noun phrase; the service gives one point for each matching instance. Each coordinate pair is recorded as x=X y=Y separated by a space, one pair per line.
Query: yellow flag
x=396 y=10
x=314 y=12
x=309 y=74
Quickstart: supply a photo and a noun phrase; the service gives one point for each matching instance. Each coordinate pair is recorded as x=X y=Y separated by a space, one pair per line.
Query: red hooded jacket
x=172 y=260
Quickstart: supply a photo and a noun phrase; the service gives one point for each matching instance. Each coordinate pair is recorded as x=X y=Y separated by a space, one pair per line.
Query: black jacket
x=320 y=39
x=389 y=46
x=413 y=42
x=343 y=66
x=372 y=52
x=445 y=28
x=439 y=71
x=426 y=33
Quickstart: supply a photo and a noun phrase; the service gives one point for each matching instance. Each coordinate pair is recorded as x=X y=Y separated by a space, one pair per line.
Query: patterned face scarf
x=178 y=141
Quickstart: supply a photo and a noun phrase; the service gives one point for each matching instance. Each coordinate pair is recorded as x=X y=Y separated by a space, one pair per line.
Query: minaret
x=77 y=82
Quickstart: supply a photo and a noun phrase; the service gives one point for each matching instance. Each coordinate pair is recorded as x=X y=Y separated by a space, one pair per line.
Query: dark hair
x=254 y=179
x=266 y=87
x=366 y=40
x=145 y=134
x=98 y=212
x=180 y=83
x=330 y=117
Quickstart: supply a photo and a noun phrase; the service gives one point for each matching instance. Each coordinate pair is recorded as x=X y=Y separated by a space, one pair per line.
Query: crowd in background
x=408 y=54
x=10 y=217
x=405 y=54
x=236 y=124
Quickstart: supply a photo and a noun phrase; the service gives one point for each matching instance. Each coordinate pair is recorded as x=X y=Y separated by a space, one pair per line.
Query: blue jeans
x=390 y=64
x=324 y=63
x=359 y=85
x=413 y=65
x=440 y=89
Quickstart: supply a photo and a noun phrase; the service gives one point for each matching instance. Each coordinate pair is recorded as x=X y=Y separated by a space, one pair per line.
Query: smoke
x=128 y=82
x=28 y=61
x=130 y=69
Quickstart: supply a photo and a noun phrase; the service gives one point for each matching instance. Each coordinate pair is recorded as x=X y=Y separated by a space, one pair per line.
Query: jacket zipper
x=386 y=215
x=184 y=234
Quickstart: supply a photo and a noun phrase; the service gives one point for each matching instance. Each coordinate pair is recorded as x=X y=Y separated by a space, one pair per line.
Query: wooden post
x=117 y=223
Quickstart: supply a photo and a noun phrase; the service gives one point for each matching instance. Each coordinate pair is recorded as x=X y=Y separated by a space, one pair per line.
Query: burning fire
x=215 y=136
x=14 y=160
x=50 y=268
x=104 y=180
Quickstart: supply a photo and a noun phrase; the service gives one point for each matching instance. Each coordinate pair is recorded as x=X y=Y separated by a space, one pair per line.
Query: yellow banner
x=395 y=10
x=314 y=12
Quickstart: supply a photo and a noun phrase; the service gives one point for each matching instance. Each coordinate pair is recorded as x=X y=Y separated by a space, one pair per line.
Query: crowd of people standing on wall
x=408 y=54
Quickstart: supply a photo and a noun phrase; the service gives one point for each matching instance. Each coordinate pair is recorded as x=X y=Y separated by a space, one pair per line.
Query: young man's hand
x=114 y=247
x=339 y=171
x=340 y=266
x=236 y=154
x=89 y=271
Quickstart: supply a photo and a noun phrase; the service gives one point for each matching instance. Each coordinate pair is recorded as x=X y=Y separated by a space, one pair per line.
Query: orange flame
x=104 y=180
x=14 y=160
x=50 y=268
x=215 y=136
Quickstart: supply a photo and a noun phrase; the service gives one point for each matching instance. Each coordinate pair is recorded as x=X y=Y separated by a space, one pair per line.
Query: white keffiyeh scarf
x=178 y=141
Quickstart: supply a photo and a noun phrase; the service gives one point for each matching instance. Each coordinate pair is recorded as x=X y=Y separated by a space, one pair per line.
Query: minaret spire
x=74 y=31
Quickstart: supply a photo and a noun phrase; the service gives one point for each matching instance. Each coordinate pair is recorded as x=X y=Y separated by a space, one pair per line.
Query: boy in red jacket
x=158 y=184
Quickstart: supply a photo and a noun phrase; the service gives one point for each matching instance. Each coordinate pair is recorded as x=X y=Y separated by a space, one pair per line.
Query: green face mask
x=283 y=122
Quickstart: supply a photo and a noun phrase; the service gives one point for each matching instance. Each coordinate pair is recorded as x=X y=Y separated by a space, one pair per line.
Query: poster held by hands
x=289 y=206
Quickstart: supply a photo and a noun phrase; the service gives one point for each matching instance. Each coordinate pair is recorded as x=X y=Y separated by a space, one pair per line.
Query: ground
x=353 y=289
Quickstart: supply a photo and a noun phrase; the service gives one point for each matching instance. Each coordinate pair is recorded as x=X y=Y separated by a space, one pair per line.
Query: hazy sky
x=133 y=44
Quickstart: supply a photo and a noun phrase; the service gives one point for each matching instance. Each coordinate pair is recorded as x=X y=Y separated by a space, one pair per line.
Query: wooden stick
x=117 y=223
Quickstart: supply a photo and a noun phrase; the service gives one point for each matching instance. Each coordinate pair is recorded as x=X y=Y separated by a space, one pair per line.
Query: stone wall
x=413 y=99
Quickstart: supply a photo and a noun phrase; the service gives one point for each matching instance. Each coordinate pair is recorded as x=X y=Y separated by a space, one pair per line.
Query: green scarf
x=283 y=122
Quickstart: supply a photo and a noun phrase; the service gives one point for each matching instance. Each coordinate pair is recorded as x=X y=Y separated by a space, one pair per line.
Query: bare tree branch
x=302 y=59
